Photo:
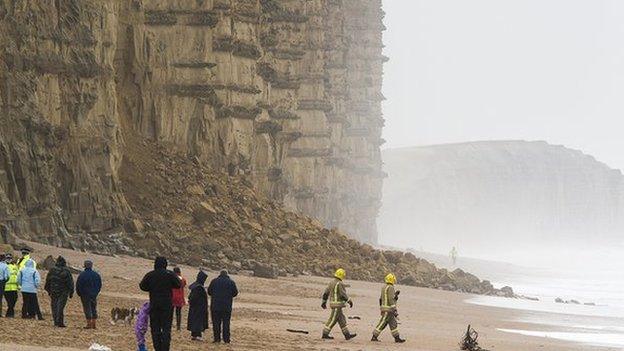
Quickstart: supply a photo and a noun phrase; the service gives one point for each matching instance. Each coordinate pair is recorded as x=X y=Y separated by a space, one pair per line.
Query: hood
x=201 y=277
x=60 y=262
x=160 y=263
x=30 y=264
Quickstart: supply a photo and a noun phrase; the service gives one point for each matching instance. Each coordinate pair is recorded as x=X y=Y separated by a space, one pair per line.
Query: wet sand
x=429 y=319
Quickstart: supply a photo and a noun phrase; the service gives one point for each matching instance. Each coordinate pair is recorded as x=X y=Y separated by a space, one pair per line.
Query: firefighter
x=337 y=294
x=389 y=314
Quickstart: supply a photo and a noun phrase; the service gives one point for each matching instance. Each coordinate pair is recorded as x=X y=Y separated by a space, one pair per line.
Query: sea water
x=599 y=318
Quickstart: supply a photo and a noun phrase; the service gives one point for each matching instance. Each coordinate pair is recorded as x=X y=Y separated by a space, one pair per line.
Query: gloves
x=350 y=303
x=396 y=295
x=324 y=305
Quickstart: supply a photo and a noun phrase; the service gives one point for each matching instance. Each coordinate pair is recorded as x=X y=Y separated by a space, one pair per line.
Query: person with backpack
x=60 y=286
x=88 y=286
x=29 y=280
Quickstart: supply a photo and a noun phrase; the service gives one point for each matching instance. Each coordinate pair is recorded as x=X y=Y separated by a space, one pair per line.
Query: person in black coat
x=159 y=283
x=88 y=286
x=198 y=307
x=222 y=291
x=60 y=286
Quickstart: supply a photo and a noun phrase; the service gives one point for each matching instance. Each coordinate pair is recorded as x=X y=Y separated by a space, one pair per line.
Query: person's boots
x=398 y=339
x=93 y=323
x=374 y=338
x=349 y=336
x=88 y=326
x=326 y=336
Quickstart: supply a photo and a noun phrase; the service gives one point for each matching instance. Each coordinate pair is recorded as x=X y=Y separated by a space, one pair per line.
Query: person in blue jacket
x=222 y=291
x=88 y=287
x=29 y=280
x=5 y=274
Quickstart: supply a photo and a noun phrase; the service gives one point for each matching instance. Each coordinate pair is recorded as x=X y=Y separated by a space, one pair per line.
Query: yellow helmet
x=340 y=274
x=390 y=279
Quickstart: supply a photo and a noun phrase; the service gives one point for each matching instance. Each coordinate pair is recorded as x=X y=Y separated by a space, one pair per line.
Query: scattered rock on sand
x=530 y=298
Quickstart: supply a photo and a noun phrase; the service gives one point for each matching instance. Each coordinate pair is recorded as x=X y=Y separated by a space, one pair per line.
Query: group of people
x=19 y=276
x=336 y=293
x=166 y=297
x=22 y=276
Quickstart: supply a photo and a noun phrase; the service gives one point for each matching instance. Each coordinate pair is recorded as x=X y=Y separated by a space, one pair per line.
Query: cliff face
x=283 y=93
x=500 y=197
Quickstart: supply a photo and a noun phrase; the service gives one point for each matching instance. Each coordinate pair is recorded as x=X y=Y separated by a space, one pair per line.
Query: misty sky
x=506 y=69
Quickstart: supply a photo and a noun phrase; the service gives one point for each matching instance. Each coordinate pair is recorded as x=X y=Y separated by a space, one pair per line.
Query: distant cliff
x=499 y=194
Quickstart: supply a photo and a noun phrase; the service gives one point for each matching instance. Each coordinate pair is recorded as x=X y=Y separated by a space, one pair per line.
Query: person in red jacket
x=178 y=297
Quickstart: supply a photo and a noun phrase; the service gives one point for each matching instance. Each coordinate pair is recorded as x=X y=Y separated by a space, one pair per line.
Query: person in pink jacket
x=140 y=328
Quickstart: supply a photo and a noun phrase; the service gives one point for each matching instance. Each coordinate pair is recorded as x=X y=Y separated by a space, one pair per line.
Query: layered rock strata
x=286 y=93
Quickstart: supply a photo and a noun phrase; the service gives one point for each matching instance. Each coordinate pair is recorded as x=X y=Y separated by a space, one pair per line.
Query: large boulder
x=268 y=271
x=48 y=263
x=507 y=291
x=409 y=280
x=204 y=212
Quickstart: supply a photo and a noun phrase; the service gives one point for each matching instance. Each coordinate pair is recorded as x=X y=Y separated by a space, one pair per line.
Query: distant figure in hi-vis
x=453 y=255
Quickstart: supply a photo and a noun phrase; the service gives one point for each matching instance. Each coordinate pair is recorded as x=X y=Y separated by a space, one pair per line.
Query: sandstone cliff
x=500 y=197
x=189 y=128
x=286 y=93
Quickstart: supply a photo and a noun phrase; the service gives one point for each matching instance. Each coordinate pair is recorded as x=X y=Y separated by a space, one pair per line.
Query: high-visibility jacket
x=337 y=294
x=21 y=263
x=387 y=301
x=11 y=284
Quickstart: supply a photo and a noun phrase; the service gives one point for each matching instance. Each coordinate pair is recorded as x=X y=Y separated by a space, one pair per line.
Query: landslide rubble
x=196 y=215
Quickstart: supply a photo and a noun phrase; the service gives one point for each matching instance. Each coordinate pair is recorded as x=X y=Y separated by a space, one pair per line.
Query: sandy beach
x=430 y=320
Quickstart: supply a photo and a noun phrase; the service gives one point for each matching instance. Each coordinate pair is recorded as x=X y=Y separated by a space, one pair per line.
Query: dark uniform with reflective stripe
x=338 y=299
x=387 y=304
